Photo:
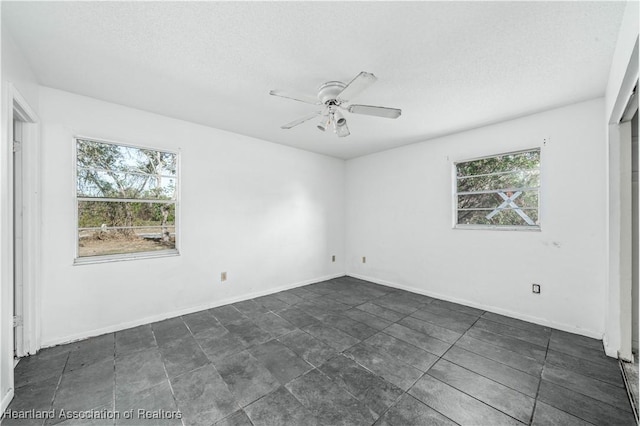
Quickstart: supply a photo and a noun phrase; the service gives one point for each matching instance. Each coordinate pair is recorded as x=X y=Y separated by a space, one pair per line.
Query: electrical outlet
x=223 y=276
x=535 y=288
x=364 y=259
x=333 y=258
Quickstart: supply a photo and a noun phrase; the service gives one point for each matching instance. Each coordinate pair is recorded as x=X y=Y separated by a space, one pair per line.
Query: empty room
x=319 y=213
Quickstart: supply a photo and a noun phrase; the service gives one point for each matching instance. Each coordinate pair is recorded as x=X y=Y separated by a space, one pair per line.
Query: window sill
x=499 y=228
x=89 y=260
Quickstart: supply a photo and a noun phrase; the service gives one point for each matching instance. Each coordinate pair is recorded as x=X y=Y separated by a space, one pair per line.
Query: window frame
x=526 y=228
x=85 y=260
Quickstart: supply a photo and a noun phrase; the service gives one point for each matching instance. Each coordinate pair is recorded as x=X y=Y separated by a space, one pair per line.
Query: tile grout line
x=535 y=401
x=166 y=373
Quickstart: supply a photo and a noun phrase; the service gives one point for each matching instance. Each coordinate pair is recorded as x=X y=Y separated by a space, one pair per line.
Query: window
x=502 y=191
x=126 y=201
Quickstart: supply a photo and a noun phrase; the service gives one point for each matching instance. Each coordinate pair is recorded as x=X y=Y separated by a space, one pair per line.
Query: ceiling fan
x=335 y=96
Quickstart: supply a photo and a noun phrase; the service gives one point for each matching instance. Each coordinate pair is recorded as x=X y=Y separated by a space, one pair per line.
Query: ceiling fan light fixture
x=324 y=123
x=341 y=130
x=339 y=120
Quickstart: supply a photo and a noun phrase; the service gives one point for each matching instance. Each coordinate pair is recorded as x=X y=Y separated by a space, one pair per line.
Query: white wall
x=270 y=216
x=399 y=215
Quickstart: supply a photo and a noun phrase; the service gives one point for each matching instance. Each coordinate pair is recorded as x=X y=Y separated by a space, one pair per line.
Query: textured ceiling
x=449 y=66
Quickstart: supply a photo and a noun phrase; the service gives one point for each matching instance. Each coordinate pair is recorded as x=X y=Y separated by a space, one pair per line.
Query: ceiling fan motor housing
x=329 y=91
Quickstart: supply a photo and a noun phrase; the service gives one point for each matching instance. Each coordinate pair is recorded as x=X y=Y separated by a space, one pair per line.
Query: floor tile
x=500 y=354
x=303 y=292
x=604 y=372
x=410 y=411
x=352 y=327
x=250 y=308
x=135 y=339
x=34 y=369
x=612 y=395
x=239 y=418
x=374 y=392
x=33 y=396
x=456 y=405
x=452 y=320
x=226 y=314
x=219 y=344
x=546 y=415
x=139 y=370
x=400 y=305
x=341 y=351
x=142 y=404
x=90 y=351
x=527 y=349
x=312 y=350
x=537 y=337
x=86 y=388
x=248 y=332
x=247 y=379
x=429 y=344
x=405 y=352
x=558 y=336
x=581 y=406
x=429 y=329
x=169 y=331
x=281 y=361
x=271 y=303
x=509 y=401
x=297 y=317
x=388 y=367
x=514 y=322
x=329 y=402
x=203 y=397
x=182 y=356
x=288 y=297
x=368 y=319
x=503 y=374
x=381 y=312
x=592 y=355
x=333 y=337
x=279 y=408
x=274 y=324
x=200 y=321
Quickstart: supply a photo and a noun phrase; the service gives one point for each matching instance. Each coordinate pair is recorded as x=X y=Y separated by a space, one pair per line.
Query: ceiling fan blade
x=307 y=99
x=301 y=120
x=375 y=110
x=357 y=85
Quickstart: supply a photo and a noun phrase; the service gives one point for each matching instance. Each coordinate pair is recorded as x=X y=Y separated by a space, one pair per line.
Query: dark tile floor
x=343 y=351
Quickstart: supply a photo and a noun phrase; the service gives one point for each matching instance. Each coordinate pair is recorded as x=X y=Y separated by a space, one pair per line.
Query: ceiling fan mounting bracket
x=329 y=91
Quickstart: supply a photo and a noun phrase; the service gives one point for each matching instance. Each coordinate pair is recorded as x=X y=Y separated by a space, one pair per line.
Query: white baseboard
x=159 y=317
x=541 y=321
x=6 y=400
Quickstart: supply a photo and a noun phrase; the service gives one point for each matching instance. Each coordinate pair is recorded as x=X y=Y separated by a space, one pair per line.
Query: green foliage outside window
x=126 y=198
x=502 y=190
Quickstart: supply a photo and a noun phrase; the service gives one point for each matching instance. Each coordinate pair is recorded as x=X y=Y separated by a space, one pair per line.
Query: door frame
x=617 y=338
x=22 y=112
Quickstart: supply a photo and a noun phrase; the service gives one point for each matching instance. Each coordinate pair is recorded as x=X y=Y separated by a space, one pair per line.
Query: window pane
x=494 y=190
x=124 y=227
x=117 y=158
x=504 y=218
x=517 y=179
x=122 y=241
x=97 y=183
x=526 y=199
x=501 y=163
